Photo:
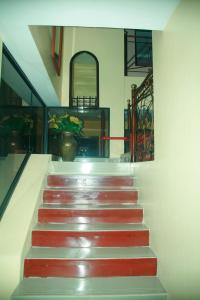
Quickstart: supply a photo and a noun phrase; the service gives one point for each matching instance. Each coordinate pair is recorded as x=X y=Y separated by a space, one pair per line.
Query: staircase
x=90 y=241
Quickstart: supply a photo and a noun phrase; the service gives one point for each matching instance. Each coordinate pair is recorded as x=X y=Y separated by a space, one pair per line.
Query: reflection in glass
x=9 y=166
x=21 y=125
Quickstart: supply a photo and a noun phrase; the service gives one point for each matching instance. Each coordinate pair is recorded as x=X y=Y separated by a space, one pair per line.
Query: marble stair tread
x=88 y=189
x=122 y=288
x=90 y=206
x=96 y=166
x=90 y=253
x=90 y=175
x=91 y=227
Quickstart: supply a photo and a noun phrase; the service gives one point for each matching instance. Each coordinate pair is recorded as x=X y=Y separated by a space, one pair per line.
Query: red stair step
x=90 y=268
x=53 y=238
x=89 y=197
x=79 y=216
x=89 y=181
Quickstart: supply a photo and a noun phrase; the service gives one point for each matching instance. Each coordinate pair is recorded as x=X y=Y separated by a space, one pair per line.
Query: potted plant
x=12 y=129
x=67 y=128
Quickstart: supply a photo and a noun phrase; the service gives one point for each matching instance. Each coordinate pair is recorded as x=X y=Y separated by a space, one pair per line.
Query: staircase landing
x=112 y=288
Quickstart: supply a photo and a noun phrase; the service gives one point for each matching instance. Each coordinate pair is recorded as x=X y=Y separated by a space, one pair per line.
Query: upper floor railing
x=138 y=52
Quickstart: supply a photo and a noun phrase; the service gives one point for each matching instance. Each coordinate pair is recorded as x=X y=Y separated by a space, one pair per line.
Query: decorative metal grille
x=85 y=102
x=144 y=120
x=139 y=122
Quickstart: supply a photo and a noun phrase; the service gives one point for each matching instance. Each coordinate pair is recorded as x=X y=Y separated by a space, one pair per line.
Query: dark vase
x=68 y=146
x=15 y=142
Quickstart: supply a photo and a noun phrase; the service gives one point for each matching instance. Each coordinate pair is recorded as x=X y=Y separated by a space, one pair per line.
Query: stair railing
x=140 y=133
x=141 y=121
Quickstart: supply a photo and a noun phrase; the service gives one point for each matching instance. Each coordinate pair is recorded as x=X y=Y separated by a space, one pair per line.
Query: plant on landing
x=20 y=123
x=60 y=123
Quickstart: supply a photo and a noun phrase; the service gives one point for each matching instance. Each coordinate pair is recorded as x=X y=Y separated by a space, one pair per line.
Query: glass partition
x=22 y=123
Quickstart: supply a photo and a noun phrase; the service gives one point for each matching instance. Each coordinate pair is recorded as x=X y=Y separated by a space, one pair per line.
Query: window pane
x=143 y=47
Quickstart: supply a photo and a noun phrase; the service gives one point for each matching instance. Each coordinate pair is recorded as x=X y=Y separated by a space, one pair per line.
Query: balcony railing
x=138 y=52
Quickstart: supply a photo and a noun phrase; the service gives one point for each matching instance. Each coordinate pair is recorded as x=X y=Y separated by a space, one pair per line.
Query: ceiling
x=17 y=15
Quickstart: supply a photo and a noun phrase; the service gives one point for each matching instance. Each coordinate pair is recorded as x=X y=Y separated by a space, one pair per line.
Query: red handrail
x=114 y=138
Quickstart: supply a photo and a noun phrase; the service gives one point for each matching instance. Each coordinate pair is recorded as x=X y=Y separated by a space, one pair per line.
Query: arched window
x=84 y=80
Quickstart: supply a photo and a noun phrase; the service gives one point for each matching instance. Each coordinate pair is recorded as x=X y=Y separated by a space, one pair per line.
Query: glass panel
x=21 y=124
x=37 y=137
x=9 y=166
x=13 y=91
x=35 y=101
x=143 y=47
x=96 y=125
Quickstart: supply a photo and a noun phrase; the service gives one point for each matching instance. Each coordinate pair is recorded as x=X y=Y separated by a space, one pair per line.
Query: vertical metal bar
x=102 y=142
x=125 y=52
x=129 y=123
x=133 y=133
x=45 y=132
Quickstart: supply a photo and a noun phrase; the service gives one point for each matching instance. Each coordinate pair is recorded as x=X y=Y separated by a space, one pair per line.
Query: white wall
x=114 y=88
x=170 y=185
x=17 y=223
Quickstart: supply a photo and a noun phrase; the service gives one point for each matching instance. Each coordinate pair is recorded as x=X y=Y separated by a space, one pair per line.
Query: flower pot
x=68 y=146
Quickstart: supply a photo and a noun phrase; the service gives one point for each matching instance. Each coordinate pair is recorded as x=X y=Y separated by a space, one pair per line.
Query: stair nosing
x=85 y=189
x=102 y=253
x=84 y=227
x=92 y=207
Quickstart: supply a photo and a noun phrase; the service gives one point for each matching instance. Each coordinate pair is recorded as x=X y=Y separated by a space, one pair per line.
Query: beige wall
x=1 y=45
x=17 y=223
x=108 y=46
x=42 y=37
x=170 y=186
x=114 y=88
